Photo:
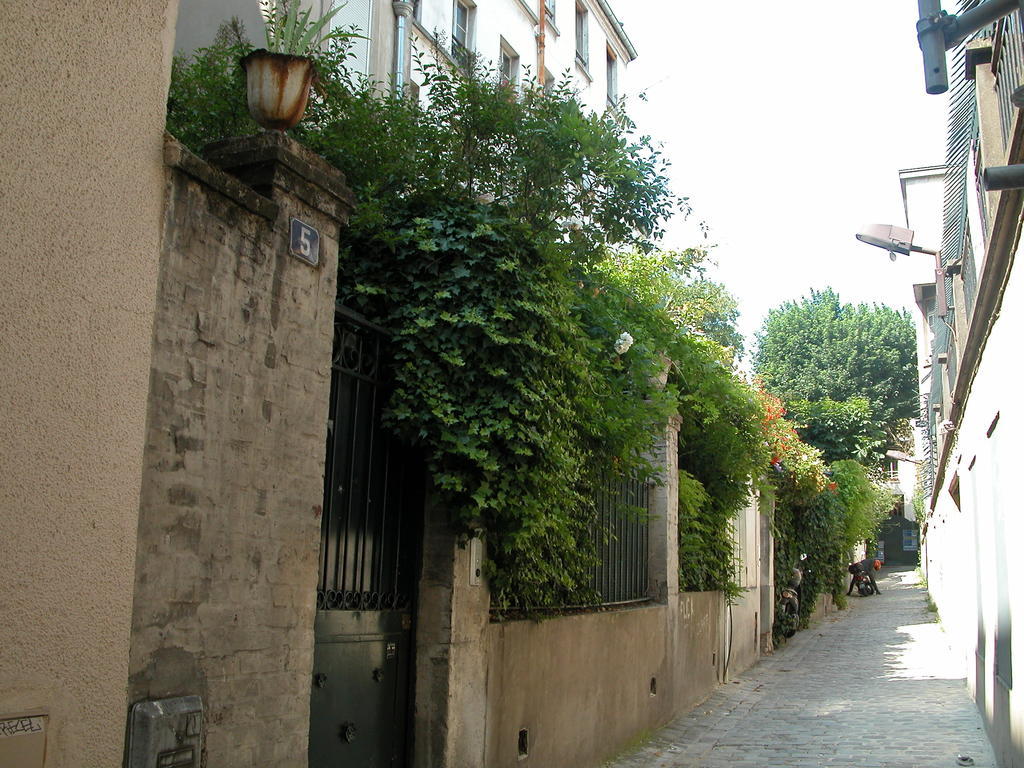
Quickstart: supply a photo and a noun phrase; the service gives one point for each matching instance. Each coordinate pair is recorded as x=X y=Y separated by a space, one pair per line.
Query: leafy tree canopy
x=674 y=281
x=819 y=348
x=839 y=429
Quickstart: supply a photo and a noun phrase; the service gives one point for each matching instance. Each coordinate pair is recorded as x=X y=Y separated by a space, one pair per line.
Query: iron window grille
x=620 y=537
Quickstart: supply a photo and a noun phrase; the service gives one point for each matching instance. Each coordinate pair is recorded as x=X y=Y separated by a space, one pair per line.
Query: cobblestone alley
x=872 y=687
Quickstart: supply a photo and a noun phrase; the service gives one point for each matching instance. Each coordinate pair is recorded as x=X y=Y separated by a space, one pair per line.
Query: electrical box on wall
x=23 y=741
x=166 y=733
x=476 y=562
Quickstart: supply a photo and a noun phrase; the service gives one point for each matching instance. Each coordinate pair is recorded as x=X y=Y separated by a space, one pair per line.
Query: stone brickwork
x=232 y=485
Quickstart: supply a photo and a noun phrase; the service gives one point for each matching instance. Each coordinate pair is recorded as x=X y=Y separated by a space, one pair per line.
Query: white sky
x=786 y=124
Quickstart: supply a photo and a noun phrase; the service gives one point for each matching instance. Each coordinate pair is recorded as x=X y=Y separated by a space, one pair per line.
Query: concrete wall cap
x=274 y=147
x=176 y=155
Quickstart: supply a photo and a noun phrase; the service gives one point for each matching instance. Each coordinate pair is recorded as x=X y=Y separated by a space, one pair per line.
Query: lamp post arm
x=938 y=31
x=976 y=19
x=942 y=307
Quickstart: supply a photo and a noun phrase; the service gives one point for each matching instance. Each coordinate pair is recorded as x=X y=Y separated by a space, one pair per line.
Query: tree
x=819 y=348
x=674 y=281
x=839 y=429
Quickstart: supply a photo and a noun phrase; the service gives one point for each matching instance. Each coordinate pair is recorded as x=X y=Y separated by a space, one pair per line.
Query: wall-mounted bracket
x=938 y=31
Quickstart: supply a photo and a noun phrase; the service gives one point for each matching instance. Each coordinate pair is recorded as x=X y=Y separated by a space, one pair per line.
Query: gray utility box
x=166 y=733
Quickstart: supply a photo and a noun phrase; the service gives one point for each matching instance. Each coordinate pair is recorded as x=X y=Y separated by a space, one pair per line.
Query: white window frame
x=612 y=77
x=582 y=35
x=508 y=53
x=467 y=31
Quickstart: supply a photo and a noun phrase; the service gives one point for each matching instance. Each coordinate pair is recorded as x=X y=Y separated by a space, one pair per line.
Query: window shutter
x=356 y=13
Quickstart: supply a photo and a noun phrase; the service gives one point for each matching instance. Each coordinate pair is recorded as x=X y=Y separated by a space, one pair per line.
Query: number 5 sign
x=304 y=242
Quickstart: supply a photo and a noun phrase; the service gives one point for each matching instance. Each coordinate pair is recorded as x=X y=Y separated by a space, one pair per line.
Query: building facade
x=972 y=419
x=580 y=40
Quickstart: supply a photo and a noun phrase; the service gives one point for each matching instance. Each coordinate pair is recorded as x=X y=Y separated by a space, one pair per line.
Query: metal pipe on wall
x=403 y=11
x=541 y=26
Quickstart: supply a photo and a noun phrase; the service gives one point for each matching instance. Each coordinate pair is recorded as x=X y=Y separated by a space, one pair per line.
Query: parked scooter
x=863 y=584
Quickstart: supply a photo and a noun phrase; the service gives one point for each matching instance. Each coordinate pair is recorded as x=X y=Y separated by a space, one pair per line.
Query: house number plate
x=304 y=242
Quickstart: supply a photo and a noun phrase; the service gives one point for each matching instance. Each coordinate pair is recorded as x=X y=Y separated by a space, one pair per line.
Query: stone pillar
x=663 y=525
x=232 y=484
x=451 y=650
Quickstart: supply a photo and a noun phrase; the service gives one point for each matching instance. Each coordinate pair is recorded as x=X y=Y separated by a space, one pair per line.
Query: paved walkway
x=873 y=687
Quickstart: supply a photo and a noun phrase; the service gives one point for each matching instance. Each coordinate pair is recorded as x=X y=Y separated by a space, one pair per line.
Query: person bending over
x=868 y=566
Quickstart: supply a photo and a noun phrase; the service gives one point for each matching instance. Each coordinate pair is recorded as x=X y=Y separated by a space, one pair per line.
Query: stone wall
x=585 y=686
x=571 y=691
x=232 y=484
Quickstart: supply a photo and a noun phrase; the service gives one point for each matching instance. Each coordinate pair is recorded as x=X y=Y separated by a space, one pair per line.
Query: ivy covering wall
x=508 y=242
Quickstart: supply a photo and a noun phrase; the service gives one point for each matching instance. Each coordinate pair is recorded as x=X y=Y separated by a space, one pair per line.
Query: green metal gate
x=898 y=541
x=369 y=548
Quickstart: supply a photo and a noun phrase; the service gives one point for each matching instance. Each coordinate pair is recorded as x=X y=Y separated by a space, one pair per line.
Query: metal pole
x=1003 y=177
x=941 y=307
x=933 y=46
x=979 y=17
x=940 y=278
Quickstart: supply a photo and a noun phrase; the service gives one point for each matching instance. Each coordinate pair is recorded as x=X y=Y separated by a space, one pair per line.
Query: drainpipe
x=542 y=15
x=403 y=11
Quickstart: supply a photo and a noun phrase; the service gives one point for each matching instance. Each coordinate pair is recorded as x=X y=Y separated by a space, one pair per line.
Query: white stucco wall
x=972 y=561
x=84 y=87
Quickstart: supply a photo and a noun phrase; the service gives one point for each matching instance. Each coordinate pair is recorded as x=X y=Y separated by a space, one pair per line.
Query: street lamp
x=901 y=240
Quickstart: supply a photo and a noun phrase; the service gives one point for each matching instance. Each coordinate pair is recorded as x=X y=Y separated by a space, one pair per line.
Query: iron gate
x=369 y=544
x=620 y=534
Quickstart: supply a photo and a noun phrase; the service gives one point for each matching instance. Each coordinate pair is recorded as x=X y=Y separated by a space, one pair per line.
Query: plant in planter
x=278 y=77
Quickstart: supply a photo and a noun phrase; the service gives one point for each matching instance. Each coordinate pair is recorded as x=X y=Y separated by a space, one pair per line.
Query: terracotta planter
x=277 y=86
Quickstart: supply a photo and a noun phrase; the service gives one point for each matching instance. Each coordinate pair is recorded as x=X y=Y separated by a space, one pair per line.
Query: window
x=549 y=7
x=358 y=14
x=508 y=65
x=462 y=32
x=582 y=43
x=613 y=79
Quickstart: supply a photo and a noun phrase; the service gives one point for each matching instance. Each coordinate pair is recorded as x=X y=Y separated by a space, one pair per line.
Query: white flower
x=623 y=343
